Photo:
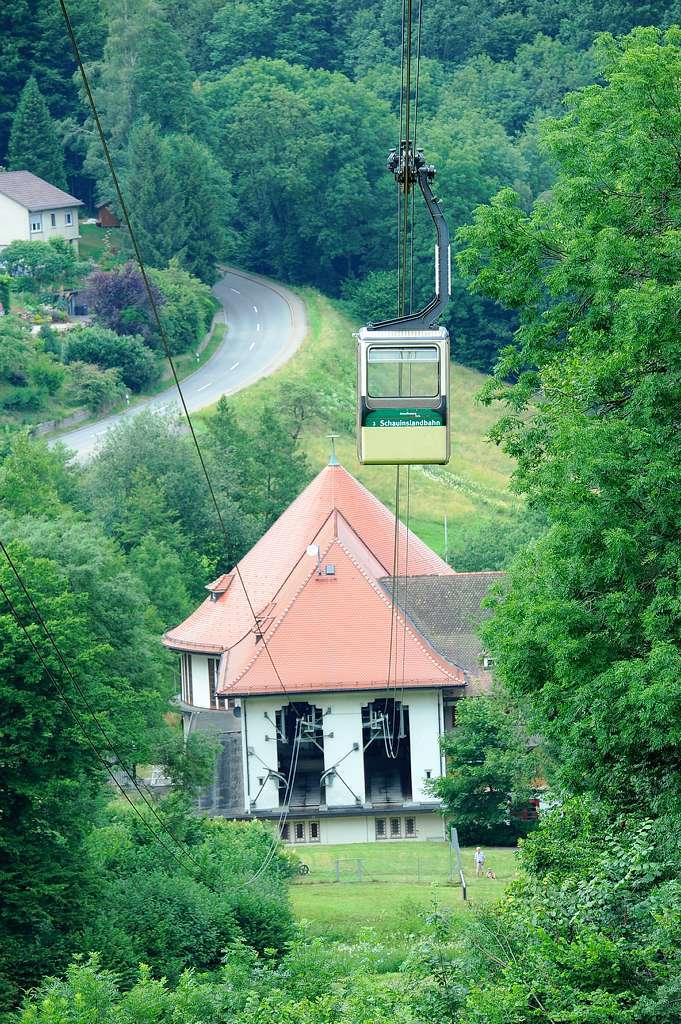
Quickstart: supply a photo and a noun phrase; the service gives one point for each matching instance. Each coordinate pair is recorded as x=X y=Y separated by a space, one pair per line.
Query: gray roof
x=32 y=192
x=446 y=611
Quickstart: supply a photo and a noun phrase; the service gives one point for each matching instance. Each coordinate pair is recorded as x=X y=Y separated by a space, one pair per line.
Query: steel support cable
x=393 y=604
x=92 y=710
x=406 y=184
x=288 y=793
x=411 y=304
x=401 y=126
x=93 y=746
x=154 y=308
x=416 y=121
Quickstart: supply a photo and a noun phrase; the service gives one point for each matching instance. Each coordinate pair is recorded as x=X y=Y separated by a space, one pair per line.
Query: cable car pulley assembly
x=403 y=363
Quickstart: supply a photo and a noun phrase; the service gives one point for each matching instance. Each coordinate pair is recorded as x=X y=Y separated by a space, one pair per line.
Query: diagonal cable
x=154 y=308
x=79 y=722
x=88 y=704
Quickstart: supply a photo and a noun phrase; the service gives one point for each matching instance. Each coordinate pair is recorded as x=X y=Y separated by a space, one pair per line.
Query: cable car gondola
x=403 y=364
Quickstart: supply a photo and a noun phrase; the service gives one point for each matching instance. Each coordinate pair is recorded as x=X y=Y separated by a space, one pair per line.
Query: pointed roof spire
x=333 y=461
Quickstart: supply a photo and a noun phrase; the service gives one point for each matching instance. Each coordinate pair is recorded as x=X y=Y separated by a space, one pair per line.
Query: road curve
x=266 y=324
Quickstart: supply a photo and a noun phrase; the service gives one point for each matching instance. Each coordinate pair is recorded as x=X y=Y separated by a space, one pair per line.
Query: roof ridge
x=416 y=638
x=377 y=501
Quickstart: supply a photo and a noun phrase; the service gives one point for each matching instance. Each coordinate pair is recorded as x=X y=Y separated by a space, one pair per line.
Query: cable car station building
x=293 y=675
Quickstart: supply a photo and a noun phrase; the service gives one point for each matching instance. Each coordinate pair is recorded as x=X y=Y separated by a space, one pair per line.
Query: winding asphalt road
x=266 y=324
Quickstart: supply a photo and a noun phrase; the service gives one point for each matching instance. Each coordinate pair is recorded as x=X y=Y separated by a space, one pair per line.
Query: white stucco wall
x=361 y=829
x=258 y=734
x=342 y=718
x=342 y=729
x=14 y=222
x=424 y=728
x=61 y=228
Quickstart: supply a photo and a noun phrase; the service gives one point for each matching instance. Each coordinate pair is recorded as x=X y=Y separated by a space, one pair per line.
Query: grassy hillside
x=473 y=486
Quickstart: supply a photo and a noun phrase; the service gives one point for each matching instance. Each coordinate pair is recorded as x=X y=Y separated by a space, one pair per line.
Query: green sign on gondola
x=403 y=418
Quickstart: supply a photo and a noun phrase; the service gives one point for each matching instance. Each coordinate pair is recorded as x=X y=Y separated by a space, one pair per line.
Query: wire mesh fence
x=379 y=866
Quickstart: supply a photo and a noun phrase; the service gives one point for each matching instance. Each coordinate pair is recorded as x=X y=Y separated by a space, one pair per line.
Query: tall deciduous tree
x=51 y=777
x=119 y=300
x=34 y=144
x=303 y=210
x=490 y=772
x=144 y=73
x=589 y=629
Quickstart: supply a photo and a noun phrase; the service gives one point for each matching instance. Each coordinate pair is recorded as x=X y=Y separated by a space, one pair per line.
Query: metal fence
x=376 y=869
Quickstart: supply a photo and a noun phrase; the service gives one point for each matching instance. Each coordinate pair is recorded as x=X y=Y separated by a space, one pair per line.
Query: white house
x=331 y=701
x=33 y=210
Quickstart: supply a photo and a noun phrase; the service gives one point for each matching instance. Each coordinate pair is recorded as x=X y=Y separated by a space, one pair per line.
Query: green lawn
x=473 y=485
x=394 y=904
x=92 y=245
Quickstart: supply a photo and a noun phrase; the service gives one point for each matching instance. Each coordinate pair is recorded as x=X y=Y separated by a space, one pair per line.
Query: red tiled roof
x=333 y=634
x=328 y=633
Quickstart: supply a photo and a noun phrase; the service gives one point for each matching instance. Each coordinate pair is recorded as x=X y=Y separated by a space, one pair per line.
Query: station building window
x=216 y=701
x=301 y=832
x=395 y=828
x=410 y=828
x=186 y=677
x=381 y=832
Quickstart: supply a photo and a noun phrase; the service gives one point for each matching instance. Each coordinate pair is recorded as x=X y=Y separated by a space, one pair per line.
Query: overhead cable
x=156 y=315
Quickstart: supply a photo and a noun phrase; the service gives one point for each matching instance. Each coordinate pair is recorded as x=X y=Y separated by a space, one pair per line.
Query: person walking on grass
x=479 y=859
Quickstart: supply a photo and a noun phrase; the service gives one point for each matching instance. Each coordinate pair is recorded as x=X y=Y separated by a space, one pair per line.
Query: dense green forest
x=258 y=131
x=570 y=220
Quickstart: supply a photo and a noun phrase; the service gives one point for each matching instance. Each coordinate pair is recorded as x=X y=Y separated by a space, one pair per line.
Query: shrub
x=23 y=399
x=15 y=349
x=118 y=300
x=168 y=921
x=126 y=353
x=38 y=264
x=188 y=307
x=46 y=374
x=97 y=389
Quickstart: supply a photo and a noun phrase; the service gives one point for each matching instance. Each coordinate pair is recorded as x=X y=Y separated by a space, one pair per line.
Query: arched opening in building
x=300 y=752
x=387 y=753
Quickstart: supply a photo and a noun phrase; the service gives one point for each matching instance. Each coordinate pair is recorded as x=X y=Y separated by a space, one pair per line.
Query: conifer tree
x=208 y=206
x=34 y=144
x=153 y=196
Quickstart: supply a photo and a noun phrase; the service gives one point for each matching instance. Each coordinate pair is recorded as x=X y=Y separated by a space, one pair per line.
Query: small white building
x=330 y=704
x=33 y=210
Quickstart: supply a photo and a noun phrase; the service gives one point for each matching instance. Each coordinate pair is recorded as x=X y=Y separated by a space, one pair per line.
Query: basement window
x=395 y=828
x=380 y=828
x=487 y=662
x=313 y=831
x=410 y=828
